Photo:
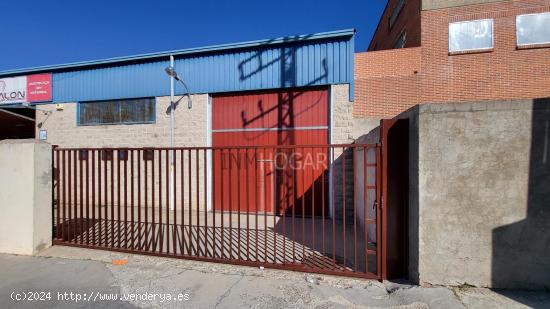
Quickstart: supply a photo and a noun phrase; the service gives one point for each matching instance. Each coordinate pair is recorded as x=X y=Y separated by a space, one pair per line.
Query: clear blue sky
x=39 y=32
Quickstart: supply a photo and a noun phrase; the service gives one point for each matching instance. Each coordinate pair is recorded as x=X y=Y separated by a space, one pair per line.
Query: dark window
x=123 y=155
x=83 y=154
x=395 y=12
x=129 y=111
x=148 y=154
x=106 y=155
x=401 y=40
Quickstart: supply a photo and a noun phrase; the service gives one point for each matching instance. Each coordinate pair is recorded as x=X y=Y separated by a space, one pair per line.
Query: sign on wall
x=42 y=135
x=26 y=89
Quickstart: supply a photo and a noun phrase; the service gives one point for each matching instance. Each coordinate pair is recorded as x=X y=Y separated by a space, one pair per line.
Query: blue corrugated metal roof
x=296 y=61
x=188 y=51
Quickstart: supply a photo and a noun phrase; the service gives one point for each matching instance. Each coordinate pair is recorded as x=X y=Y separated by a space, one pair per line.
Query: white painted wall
x=25 y=196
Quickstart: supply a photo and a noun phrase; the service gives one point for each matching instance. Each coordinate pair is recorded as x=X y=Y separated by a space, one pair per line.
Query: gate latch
x=376 y=203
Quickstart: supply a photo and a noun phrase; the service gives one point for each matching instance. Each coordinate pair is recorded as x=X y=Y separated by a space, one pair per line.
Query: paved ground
x=149 y=282
x=310 y=242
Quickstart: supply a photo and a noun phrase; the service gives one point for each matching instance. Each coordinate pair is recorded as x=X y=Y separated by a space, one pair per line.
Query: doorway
x=395 y=149
x=17 y=123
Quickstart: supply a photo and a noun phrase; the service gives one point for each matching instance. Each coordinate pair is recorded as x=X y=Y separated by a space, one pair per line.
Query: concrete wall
x=440 y=4
x=25 y=196
x=479 y=196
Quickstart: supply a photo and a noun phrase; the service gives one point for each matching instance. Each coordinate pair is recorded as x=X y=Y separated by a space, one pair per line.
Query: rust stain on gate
x=118 y=199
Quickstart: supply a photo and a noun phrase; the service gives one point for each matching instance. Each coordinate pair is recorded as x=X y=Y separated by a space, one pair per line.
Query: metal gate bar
x=309 y=208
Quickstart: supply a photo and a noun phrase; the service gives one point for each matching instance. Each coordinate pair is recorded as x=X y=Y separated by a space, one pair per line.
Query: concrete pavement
x=147 y=282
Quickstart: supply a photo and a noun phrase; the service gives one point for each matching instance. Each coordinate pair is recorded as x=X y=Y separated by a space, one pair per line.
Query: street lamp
x=174 y=76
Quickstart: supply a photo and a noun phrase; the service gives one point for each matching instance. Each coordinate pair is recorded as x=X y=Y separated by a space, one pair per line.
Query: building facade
x=279 y=92
x=399 y=26
x=124 y=102
x=258 y=139
x=468 y=51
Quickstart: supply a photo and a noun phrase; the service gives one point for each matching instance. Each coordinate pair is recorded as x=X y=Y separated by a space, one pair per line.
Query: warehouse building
x=300 y=84
x=126 y=158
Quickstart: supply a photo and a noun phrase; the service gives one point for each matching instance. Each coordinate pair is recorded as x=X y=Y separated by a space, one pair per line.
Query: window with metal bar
x=401 y=41
x=395 y=12
x=128 y=111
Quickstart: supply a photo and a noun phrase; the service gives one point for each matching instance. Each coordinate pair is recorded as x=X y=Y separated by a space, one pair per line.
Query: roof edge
x=180 y=52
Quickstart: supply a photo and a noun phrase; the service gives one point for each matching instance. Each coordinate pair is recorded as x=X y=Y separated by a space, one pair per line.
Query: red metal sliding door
x=260 y=120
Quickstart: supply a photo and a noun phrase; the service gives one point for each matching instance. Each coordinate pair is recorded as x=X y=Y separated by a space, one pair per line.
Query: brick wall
x=408 y=20
x=504 y=73
x=386 y=82
x=387 y=85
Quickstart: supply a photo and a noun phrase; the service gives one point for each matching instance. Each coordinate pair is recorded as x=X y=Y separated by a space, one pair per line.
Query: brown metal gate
x=121 y=199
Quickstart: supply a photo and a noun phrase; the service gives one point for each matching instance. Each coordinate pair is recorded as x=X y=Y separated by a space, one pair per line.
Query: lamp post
x=174 y=76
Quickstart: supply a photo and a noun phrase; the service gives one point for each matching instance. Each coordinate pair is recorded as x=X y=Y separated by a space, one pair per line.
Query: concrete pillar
x=25 y=196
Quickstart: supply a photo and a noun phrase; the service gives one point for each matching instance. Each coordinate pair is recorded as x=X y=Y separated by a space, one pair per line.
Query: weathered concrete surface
x=25 y=196
x=21 y=274
x=366 y=130
x=227 y=286
x=440 y=4
x=479 y=196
